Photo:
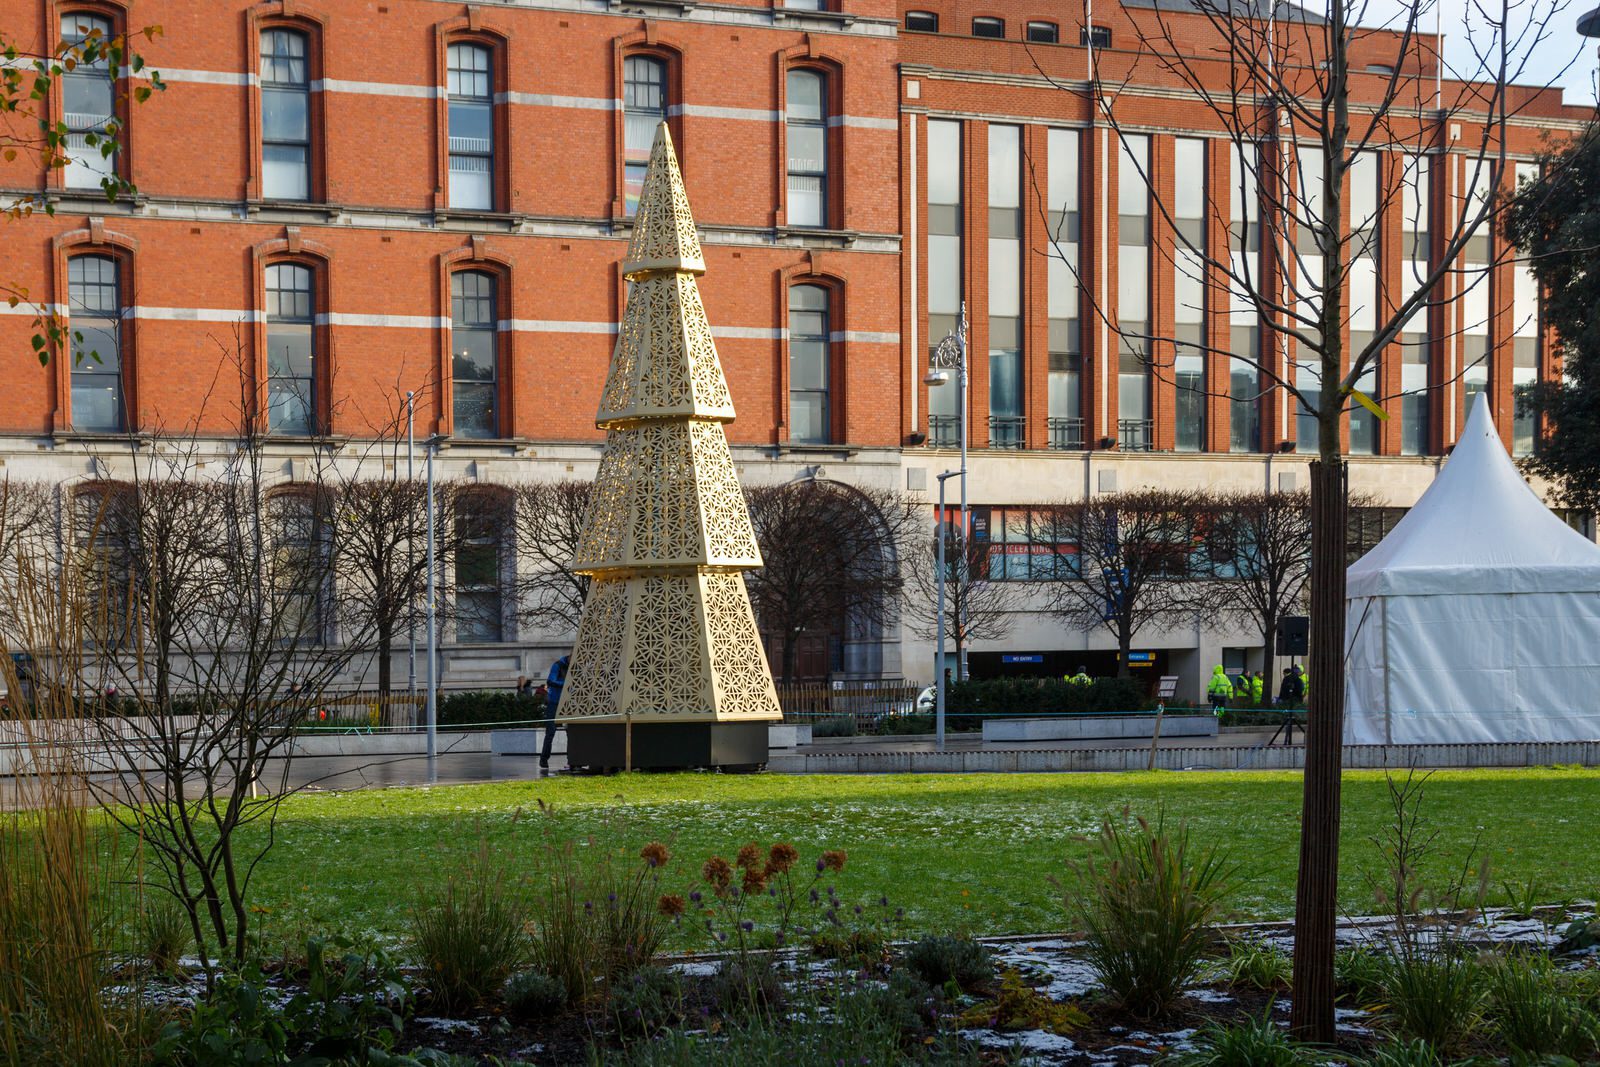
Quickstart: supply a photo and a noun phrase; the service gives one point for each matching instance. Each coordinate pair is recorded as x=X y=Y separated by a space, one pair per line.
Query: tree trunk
x=1316 y=893
x=1269 y=666
x=385 y=656
x=1124 y=646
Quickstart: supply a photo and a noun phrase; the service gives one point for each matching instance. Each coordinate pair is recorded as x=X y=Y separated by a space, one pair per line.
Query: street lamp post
x=411 y=594
x=433 y=628
x=944 y=535
x=951 y=355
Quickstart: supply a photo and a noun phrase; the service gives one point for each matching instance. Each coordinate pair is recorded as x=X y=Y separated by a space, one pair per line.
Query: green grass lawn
x=974 y=852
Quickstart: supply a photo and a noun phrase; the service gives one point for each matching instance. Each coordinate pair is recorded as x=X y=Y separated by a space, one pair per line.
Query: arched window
x=988 y=27
x=807 y=105
x=922 y=21
x=644 y=107
x=474 y=353
x=104 y=521
x=810 y=354
x=88 y=103
x=291 y=349
x=470 y=87
x=285 y=116
x=481 y=520
x=94 y=309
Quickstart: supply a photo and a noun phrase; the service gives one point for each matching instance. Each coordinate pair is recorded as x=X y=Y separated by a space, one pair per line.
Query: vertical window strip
x=1189 y=292
x=474 y=354
x=88 y=105
x=945 y=261
x=644 y=107
x=291 y=349
x=94 y=303
x=1064 y=402
x=285 y=116
x=1133 y=293
x=1006 y=423
x=1244 y=333
x=470 y=90
x=810 y=356
x=807 y=136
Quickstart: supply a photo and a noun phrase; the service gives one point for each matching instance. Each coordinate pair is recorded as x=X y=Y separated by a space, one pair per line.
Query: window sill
x=136 y=438
x=797 y=448
x=681 y=7
x=256 y=207
x=839 y=238
x=842 y=18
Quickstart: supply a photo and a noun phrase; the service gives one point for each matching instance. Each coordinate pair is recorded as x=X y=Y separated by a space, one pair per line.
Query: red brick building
x=340 y=203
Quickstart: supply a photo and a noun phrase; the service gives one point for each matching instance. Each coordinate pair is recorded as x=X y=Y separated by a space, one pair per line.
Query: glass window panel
x=922 y=21
x=1005 y=382
x=807 y=148
x=1065 y=398
x=988 y=27
x=1364 y=191
x=1189 y=371
x=289 y=350
x=808 y=417
x=944 y=275
x=285 y=174
x=96 y=402
x=285 y=115
x=805 y=96
x=1043 y=32
x=96 y=346
x=944 y=162
x=1005 y=166
x=805 y=201
x=1189 y=173
x=808 y=364
x=474 y=409
x=1133 y=282
x=1133 y=170
x=88 y=100
x=1005 y=277
x=473 y=356
x=1189 y=294
x=289 y=406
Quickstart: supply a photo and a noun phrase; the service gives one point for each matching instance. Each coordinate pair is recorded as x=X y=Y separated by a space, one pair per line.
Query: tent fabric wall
x=1465 y=668
x=1478 y=618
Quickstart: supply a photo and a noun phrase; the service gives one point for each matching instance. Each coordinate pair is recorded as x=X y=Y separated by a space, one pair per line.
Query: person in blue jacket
x=553 y=684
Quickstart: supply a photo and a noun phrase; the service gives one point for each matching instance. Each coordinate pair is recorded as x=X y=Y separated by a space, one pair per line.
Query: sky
x=1560 y=46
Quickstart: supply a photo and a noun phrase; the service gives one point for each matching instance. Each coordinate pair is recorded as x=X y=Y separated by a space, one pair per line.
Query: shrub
x=534 y=995
x=939 y=960
x=164 y=936
x=647 y=1001
x=468 y=935
x=1147 y=898
x=837 y=726
x=861 y=948
x=1435 y=994
x=1259 y=965
x=484 y=707
x=1359 y=974
x=1257 y=1043
x=968 y=703
x=894 y=725
x=903 y=1002
x=1403 y=1054
x=1534 y=1015
x=748 y=984
x=1018 y=1006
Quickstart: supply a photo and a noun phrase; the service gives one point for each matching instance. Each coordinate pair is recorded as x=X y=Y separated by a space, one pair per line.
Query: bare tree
x=1135 y=564
x=1261 y=543
x=830 y=559
x=1309 y=99
x=548 y=521
x=379 y=530
x=27 y=526
x=222 y=579
x=977 y=607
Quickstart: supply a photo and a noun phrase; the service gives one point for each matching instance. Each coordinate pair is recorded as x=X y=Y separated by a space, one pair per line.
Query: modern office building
x=341 y=202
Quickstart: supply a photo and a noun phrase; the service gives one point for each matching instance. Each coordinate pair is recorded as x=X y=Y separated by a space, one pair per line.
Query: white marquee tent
x=1478 y=617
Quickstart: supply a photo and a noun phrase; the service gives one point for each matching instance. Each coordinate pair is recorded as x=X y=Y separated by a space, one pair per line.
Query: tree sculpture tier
x=667 y=634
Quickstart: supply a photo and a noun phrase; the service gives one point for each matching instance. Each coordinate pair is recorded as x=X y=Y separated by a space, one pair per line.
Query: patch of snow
x=1208 y=996
x=449 y=1026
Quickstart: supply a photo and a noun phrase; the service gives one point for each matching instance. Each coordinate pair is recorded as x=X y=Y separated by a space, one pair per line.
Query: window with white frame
x=94 y=311
x=88 y=103
x=807 y=116
x=644 y=107
x=474 y=353
x=285 y=116
x=291 y=348
x=470 y=87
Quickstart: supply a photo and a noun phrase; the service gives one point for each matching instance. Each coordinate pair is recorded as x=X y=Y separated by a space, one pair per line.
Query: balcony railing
x=944 y=431
x=1065 y=433
x=1007 y=431
x=1136 y=435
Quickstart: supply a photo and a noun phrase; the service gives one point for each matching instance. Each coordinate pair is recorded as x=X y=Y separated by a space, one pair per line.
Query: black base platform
x=661 y=746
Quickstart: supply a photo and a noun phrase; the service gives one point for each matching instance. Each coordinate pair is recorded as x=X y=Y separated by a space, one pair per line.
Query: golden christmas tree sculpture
x=667 y=634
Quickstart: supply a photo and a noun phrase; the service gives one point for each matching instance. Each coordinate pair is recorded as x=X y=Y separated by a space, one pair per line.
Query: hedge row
x=969 y=703
x=481 y=707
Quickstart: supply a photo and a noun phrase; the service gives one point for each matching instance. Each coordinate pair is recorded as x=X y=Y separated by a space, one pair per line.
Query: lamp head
x=936 y=376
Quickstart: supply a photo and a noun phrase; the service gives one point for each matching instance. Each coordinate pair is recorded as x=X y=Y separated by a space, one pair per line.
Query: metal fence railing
x=864 y=705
